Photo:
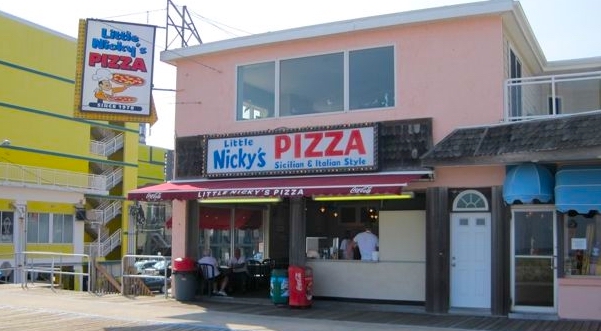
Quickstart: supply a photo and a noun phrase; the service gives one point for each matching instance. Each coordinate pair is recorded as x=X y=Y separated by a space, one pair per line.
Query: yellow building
x=63 y=180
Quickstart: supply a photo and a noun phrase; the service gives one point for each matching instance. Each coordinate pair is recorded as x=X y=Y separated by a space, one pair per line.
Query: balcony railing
x=20 y=175
x=545 y=96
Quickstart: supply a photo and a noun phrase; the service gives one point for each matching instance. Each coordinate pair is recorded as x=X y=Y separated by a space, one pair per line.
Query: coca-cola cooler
x=300 y=286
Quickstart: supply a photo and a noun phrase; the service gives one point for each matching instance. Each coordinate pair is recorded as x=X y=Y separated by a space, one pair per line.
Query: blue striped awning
x=578 y=188
x=528 y=183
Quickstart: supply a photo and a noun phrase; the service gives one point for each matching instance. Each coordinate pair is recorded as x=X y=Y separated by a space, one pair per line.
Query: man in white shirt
x=367 y=243
x=213 y=273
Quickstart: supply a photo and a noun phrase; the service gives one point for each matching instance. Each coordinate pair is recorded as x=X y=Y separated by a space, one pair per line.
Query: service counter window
x=582 y=244
x=330 y=225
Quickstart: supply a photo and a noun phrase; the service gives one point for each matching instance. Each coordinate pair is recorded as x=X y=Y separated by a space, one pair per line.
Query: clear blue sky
x=565 y=29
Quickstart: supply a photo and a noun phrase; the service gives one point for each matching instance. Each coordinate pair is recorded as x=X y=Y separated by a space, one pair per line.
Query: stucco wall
x=451 y=71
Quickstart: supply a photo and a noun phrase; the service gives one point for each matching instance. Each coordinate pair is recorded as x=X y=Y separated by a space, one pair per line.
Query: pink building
x=474 y=160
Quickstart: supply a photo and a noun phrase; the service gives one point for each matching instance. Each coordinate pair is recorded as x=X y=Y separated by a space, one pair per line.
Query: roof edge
x=359 y=24
x=37 y=26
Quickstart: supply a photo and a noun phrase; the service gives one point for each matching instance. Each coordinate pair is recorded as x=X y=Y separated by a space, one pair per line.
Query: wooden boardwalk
x=43 y=309
x=374 y=314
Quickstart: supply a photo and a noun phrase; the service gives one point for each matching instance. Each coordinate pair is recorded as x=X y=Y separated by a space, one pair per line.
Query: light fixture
x=405 y=195
x=240 y=200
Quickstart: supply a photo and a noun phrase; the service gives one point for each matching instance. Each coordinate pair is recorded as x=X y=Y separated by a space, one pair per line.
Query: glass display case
x=325 y=248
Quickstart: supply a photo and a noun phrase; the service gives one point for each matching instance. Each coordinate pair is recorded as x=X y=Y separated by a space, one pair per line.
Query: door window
x=223 y=229
x=534 y=262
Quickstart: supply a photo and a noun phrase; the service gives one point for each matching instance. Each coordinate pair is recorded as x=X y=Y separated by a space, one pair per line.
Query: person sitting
x=214 y=273
x=239 y=271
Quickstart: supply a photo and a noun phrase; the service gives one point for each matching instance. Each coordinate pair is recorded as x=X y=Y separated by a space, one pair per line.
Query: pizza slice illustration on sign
x=125 y=79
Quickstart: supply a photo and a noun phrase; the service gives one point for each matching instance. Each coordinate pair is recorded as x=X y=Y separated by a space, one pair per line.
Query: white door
x=470 y=260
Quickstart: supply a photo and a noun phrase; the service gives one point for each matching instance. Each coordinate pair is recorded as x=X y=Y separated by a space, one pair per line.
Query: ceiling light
x=240 y=200
x=405 y=195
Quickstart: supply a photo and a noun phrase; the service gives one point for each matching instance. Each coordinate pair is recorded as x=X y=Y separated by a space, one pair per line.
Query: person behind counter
x=239 y=272
x=346 y=246
x=367 y=243
x=218 y=276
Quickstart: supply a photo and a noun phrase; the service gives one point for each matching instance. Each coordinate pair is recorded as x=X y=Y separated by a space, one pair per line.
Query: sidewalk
x=40 y=308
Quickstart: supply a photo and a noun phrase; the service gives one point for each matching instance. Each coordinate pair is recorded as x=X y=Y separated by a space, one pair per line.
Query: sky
x=565 y=29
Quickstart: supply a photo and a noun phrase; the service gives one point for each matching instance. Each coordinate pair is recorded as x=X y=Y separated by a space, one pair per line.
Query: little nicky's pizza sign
x=117 y=68
x=284 y=192
x=320 y=151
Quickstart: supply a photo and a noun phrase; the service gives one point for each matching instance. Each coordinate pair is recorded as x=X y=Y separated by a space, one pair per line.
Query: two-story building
x=474 y=159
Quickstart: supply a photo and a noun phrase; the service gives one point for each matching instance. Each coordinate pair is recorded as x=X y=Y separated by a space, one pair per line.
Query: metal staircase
x=97 y=219
x=108 y=146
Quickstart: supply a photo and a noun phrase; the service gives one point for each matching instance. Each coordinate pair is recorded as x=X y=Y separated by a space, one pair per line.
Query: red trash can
x=300 y=286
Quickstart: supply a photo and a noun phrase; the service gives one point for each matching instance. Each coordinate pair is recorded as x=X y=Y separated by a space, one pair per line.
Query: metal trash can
x=185 y=280
x=278 y=287
x=301 y=286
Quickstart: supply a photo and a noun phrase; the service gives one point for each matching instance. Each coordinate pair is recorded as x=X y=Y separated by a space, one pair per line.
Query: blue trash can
x=278 y=287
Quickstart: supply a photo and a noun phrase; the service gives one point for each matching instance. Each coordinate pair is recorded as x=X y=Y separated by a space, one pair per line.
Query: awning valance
x=355 y=184
x=578 y=188
x=528 y=183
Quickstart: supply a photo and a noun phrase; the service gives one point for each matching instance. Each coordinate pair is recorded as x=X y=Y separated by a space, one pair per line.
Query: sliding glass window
x=256 y=91
x=371 y=78
x=312 y=84
x=334 y=82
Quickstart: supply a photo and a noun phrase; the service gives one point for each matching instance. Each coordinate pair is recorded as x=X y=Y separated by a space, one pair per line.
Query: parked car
x=157 y=284
x=158 y=268
x=144 y=264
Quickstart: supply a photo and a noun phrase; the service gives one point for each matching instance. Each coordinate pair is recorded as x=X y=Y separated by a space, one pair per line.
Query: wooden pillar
x=500 y=264
x=297 y=231
x=437 y=250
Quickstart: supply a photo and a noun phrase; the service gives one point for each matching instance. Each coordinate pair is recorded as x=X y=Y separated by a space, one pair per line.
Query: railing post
x=553 y=103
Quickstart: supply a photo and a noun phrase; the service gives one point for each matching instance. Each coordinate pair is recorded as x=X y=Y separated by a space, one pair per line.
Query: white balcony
x=53 y=179
x=546 y=96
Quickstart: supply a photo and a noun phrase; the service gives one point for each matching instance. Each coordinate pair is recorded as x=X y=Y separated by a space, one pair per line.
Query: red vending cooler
x=300 y=286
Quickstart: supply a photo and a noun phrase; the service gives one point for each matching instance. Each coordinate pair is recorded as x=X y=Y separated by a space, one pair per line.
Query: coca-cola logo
x=361 y=190
x=154 y=196
x=298 y=278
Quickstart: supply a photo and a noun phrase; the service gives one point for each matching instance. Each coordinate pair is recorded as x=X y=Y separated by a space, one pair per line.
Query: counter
x=383 y=280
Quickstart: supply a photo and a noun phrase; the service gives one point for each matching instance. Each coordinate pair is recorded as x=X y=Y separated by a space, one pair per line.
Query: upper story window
x=335 y=82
